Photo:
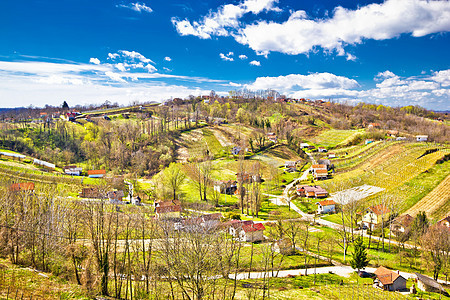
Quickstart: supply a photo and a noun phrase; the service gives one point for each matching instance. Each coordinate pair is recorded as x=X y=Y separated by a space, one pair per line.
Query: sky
x=393 y=52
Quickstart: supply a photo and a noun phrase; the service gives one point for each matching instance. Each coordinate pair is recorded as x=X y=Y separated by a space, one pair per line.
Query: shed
x=428 y=284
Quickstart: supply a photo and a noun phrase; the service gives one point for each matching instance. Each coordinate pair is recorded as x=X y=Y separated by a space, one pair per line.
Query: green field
x=334 y=137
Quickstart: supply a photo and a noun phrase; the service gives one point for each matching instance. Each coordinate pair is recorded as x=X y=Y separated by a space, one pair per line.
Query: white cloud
x=167 y=58
x=242 y=56
x=292 y=82
x=94 y=60
x=300 y=34
x=226 y=17
x=227 y=57
x=442 y=77
x=139 y=7
x=255 y=63
x=131 y=60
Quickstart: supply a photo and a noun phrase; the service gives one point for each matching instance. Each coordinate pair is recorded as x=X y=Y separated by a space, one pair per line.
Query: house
x=311 y=191
x=421 y=138
x=374 y=125
x=332 y=155
x=392 y=133
x=401 y=138
x=428 y=284
x=236 y=150
x=290 y=164
x=90 y=192
x=209 y=221
x=23 y=187
x=368 y=141
x=444 y=222
x=226 y=186
x=168 y=212
x=322 y=149
x=320 y=174
x=389 y=280
x=166 y=203
x=243 y=177
x=375 y=215
x=136 y=201
x=326 y=206
x=401 y=224
x=304 y=145
x=115 y=197
x=96 y=173
x=246 y=231
x=72 y=170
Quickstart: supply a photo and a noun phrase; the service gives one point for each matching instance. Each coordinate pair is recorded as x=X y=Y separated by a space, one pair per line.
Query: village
x=265 y=190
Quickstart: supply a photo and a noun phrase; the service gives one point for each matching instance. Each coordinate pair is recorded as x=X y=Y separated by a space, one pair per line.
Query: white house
x=421 y=138
x=326 y=206
x=73 y=170
x=246 y=231
x=304 y=145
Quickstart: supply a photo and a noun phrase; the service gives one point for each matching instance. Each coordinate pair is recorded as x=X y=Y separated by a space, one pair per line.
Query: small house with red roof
x=389 y=280
x=326 y=206
x=168 y=212
x=246 y=231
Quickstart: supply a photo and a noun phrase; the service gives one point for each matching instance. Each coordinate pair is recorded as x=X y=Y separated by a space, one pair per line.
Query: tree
x=65 y=106
x=174 y=178
x=436 y=242
x=359 y=260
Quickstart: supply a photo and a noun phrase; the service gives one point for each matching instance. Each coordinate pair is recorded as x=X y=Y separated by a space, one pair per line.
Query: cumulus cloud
x=167 y=58
x=139 y=7
x=242 y=56
x=255 y=63
x=301 y=34
x=227 y=57
x=94 y=60
x=226 y=17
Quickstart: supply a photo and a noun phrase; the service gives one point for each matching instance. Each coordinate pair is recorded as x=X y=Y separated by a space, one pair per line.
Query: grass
x=213 y=143
x=334 y=137
x=24 y=283
x=306 y=205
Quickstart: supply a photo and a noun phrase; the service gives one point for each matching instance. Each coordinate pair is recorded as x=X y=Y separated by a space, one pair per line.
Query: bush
x=232 y=215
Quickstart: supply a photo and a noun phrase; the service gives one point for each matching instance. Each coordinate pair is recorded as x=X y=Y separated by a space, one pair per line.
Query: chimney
x=398 y=272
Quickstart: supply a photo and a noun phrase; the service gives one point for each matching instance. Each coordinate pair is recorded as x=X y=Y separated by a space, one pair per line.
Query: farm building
x=136 y=200
x=166 y=203
x=24 y=187
x=375 y=215
x=421 y=138
x=311 y=191
x=12 y=155
x=428 y=284
x=304 y=145
x=368 y=141
x=332 y=155
x=389 y=280
x=326 y=206
x=72 y=170
x=322 y=149
x=208 y=221
x=44 y=164
x=96 y=173
x=401 y=224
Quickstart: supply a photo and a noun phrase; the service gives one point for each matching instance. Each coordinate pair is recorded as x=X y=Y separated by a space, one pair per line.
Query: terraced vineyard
x=434 y=200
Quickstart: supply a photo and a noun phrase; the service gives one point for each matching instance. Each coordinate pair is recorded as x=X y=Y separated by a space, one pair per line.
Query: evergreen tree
x=360 y=260
x=65 y=106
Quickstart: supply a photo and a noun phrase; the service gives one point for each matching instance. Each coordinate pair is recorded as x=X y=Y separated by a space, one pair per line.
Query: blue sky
x=392 y=52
